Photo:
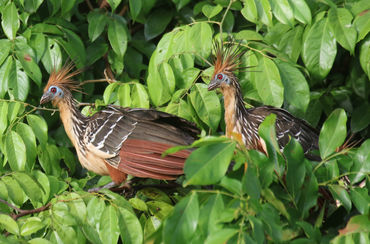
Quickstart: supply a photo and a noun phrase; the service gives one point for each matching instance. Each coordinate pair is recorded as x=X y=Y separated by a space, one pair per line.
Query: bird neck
x=234 y=108
x=73 y=121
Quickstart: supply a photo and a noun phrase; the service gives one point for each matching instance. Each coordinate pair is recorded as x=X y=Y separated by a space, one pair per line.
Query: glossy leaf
x=250 y=182
x=97 y=22
x=264 y=12
x=118 y=37
x=206 y=105
x=211 y=11
x=52 y=58
x=74 y=46
x=135 y=8
x=109 y=227
x=361 y=165
x=199 y=33
x=333 y=132
x=296 y=89
x=365 y=56
x=10 y=20
x=283 y=12
x=29 y=140
x=39 y=127
x=114 y=4
x=319 y=49
x=181 y=225
x=16 y=151
x=208 y=164
x=250 y=11
x=26 y=58
x=362 y=24
x=15 y=192
x=131 y=231
x=296 y=168
x=140 y=96
x=29 y=185
x=94 y=210
x=5 y=46
x=268 y=83
x=157 y=23
x=340 y=20
x=340 y=193
x=31 y=226
x=9 y=224
x=360 y=118
x=361 y=200
x=19 y=85
x=301 y=11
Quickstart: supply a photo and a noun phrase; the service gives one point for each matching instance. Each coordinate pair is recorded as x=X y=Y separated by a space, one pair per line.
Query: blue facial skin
x=52 y=93
x=218 y=80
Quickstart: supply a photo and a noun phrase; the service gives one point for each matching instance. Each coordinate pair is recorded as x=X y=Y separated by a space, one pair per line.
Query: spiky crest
x=227 y=57
x=64 y=78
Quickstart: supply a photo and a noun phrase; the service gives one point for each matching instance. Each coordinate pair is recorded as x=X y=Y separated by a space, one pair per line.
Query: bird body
x=118 y=141
x=241 y=123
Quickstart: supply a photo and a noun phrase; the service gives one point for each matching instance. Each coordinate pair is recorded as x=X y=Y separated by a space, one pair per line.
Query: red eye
x=220 y=76
x=53 y=90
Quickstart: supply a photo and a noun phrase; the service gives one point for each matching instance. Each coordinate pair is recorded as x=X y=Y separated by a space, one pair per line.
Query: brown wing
x=133 y=140
x=288 y=125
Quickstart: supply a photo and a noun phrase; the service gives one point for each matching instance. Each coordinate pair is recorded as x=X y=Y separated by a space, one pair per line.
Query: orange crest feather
x=64 y=78
x=227 y=57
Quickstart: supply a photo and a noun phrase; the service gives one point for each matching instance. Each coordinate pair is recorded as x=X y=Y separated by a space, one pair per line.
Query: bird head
x=226 y=60
x=59 y=85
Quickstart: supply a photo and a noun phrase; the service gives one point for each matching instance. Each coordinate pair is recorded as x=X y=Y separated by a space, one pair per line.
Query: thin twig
x=89 y=5
x=22 y=212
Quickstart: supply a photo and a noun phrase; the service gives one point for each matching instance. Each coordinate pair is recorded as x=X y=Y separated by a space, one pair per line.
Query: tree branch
x=22 y=212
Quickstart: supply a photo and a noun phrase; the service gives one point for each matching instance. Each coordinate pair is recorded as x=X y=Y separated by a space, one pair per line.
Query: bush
x=309 y=57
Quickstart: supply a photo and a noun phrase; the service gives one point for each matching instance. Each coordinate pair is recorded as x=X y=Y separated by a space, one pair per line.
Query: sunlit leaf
x=16 y=151
x=10 y=20
x=9 y=224
x=109 y=228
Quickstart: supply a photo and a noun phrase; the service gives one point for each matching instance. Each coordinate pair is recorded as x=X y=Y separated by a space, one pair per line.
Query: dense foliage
x=310 y=57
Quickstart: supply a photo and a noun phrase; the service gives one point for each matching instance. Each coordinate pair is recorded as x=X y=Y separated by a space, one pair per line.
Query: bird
x=119 y=141
x=241 y=123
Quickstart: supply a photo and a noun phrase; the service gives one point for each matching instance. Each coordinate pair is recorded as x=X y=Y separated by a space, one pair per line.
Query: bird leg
x=106 y=186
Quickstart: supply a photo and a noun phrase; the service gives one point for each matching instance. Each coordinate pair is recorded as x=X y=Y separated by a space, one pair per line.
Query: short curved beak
x=213 y=85
x=46 y=97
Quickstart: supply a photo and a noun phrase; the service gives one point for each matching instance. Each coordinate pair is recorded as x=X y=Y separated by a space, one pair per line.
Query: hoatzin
x=241 y=123
x=118 y=141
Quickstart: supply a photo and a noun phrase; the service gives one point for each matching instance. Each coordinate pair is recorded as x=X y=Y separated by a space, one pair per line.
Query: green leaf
x=319 y=49
x=181 y=225
x=196 y=36
x=361 y=200
x=3 y=119
x=52 y=58
x=301 y=11
x=124 y=97
x=18 y=82
x=206 y=104
x=94 y=210
x=155 y=194
x=159 y=209
x=157 y=22
x=5 y=46
x=268 y=83
x=61 y=214
x=209 y=214
x=341 y=194
x=362 y=24
x=97 y=22
x=250 y=11
x=10 y=20
x=222 y=236
x=5 y=71
x=135 y=8
x=365 y=56
x=32 y=225
x=118 y=37
x=130 y=227
x=357 y=224
x=138 y=204
x=283 y=12
x=33 y=5
x=15 y=192
x=333 y=133
x=29 y=185
x=107 y=96
x=264 y=12
x=233 y=185
x=361 y=163
x=250 y=182
x=39 y=241
x=340 y=20
x=74 y=47
x=15 y=151
x=360 y=117
x=29 y=65
x=208 y=164
x=67 y=6
x=109 y=228
x=296 y=169
x=114 y=4
x=296 y=89
x=211 y=11
x=140 y=96
x=39 y=127
x=9 y=224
